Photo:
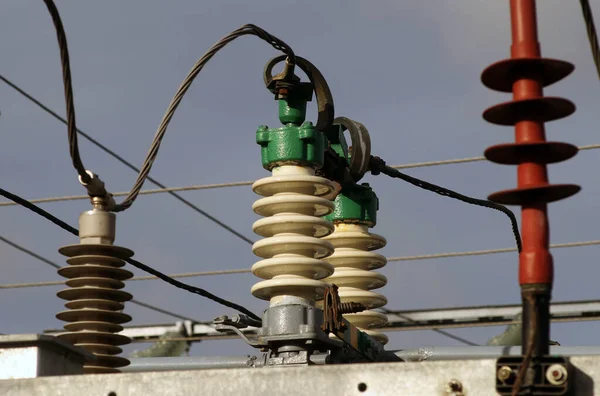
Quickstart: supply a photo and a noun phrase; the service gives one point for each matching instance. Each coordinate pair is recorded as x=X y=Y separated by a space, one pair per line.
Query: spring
x=293 y=253
x=95 y=303
x=354 y=263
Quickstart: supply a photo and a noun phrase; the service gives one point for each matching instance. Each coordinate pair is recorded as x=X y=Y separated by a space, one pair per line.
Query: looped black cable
x=192 y=289
x=377 y=166
x=325 y=107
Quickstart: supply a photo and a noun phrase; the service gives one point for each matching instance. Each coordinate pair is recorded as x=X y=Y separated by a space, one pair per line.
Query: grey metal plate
x=382 y=379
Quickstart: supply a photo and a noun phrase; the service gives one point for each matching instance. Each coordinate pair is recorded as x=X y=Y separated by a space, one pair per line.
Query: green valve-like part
x=296 y=143
x=355 y=204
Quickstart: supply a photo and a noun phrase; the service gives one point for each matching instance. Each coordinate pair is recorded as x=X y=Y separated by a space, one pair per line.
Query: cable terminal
x=96 y=189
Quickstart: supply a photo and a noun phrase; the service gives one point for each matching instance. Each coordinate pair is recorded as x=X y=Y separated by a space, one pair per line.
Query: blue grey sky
x=409 y=70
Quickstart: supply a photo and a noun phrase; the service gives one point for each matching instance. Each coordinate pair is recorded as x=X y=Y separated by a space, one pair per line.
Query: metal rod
x=484 y=352
x=408 y=355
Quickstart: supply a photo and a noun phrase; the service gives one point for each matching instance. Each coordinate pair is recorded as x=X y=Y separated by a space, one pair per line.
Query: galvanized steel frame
x=477 y=377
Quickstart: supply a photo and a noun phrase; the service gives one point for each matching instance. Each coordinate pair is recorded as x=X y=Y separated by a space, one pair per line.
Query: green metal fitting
x=356 y=204
x=298 y=142
x=337 y=141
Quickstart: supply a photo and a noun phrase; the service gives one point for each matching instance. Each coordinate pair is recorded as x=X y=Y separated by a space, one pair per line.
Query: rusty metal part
x=332 y=315
x=525 y=74
x=325 y=106
x=351 y=307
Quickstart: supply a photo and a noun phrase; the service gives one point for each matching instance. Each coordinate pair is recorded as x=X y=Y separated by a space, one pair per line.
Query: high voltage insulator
x=295 y=202
x=353 y=260
x=95 y=299
x=525 y=74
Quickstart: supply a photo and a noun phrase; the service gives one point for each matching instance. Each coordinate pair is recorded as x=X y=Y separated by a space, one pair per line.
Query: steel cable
x=198 y=187
x=185 y=85
x=53 y=264
x=248 y=271
x=68 y=87
x=248 y=29
x=163 y=188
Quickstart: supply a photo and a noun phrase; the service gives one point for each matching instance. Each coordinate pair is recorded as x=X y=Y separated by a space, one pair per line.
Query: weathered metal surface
x=476 y=377
x=33 y=355
x=408 y=355
x=493 y=315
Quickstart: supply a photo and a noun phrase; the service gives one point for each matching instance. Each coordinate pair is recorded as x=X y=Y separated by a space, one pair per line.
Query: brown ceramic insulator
x=544 y=109
x=95 y=303
x=525 y=75
x=501 y=75
x=540 y=152
x=528 y=195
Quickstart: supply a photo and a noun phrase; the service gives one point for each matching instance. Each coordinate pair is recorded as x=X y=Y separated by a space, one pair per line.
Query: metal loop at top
x=360 y=142
x=325 y=106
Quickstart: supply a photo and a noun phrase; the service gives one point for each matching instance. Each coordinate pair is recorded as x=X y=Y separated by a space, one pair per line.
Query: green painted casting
x=297 y=142
x=337 y=141
x=292 y=111
x=355 y=204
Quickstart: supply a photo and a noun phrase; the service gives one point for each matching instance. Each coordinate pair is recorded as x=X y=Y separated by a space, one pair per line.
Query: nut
x=504 y=373
x=454 y=387
x=557 y=374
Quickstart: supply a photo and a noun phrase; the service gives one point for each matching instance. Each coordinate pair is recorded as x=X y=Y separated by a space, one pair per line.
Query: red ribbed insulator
x=525 y=74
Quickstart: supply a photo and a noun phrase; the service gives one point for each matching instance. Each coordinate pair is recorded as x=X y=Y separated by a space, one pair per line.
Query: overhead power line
x=55 y=265
x=173 y=282
x=125 y=162
x=197 y=187
x=590 y=28
x=247 y=270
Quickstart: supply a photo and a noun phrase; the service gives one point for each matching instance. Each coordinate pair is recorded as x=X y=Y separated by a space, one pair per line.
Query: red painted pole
x=525 y=74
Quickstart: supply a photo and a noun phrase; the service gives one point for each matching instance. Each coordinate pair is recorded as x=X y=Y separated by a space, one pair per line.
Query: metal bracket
x=360 y=342
x=548 y=375
x=225 y=324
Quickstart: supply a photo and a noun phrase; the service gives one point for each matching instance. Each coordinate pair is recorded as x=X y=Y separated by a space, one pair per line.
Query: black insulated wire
x=590 y=28
x=53 y=264
x=125 y=162
x=192 y=289
x=377 y=166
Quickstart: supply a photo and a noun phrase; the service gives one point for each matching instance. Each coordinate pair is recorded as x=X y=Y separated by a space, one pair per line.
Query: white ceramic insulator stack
x=95 y=299
x=354 y=263
x=293 y=266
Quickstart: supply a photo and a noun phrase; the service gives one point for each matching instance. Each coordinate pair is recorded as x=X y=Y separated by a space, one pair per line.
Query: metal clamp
x=548 y=375
x=225 y=324
x=360 y=146
x=325 y=106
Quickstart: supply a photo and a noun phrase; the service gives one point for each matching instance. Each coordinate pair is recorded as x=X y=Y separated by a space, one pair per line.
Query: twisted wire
x=183 y=88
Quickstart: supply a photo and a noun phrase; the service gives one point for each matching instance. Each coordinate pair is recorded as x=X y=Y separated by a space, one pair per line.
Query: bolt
x=263 y=128
x=307 y=124
x=557 y=374
x=351 y=307
x=454 y=387
x=505 y=373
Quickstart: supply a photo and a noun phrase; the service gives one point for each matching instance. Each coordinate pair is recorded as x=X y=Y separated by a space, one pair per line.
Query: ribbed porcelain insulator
x=95 y=303
x=354 y=262
x=292 y=226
